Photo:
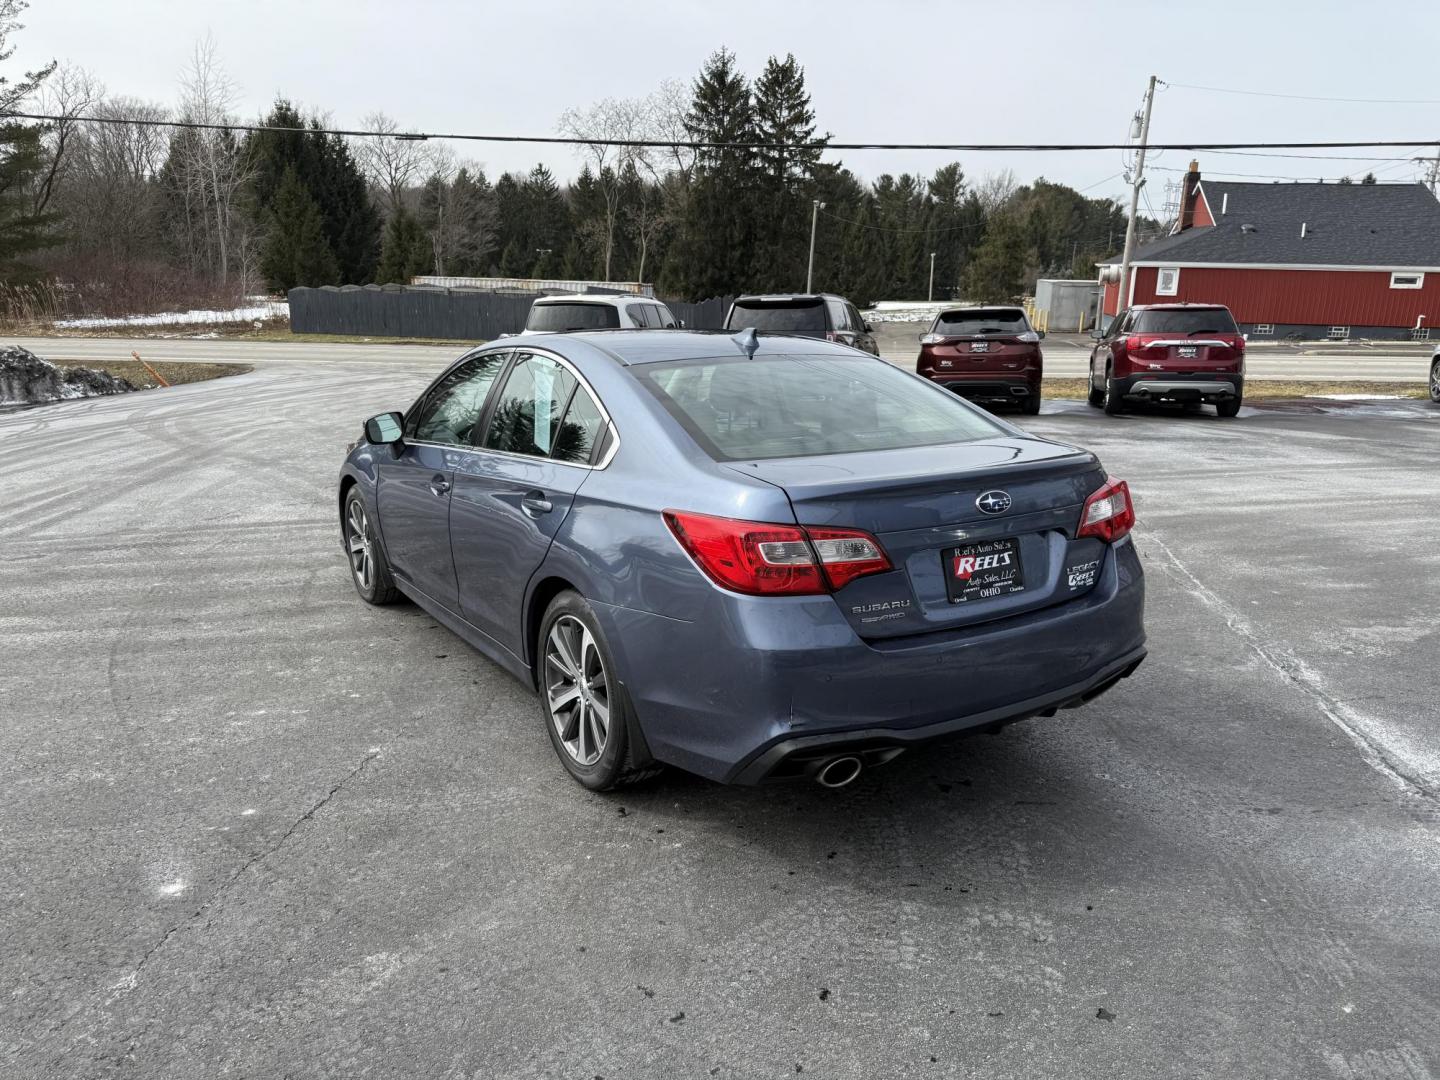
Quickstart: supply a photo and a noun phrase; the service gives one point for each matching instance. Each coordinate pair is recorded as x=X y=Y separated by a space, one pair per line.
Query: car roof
x=1179 y=306
x=782 y=297
x=983 y=307
x=633 y=347
x=590 y=298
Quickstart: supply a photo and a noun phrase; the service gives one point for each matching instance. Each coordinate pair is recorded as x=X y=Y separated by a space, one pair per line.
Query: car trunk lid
x=925 y=507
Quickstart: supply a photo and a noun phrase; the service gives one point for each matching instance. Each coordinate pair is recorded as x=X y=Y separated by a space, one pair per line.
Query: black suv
x=819 y=315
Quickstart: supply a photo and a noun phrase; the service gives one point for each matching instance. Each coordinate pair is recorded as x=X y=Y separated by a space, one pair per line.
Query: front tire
x=1435 y=380
x=369 y=569
x=587 y=714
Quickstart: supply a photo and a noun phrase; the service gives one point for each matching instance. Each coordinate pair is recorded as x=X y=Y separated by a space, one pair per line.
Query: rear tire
x=369 y=569
x=1114 y=404
x=1227 y=409
x=1435 y=380
x=586 y=711
x=1030 y=405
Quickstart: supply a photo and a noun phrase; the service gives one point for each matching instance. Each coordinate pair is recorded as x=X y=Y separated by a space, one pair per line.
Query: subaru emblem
x=993 y=502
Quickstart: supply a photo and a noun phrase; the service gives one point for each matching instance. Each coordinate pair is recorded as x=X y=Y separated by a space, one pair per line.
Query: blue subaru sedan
x=752 y=557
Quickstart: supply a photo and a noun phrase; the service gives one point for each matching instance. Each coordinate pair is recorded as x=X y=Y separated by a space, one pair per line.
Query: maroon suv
x=985 y=353
x=1187 y=353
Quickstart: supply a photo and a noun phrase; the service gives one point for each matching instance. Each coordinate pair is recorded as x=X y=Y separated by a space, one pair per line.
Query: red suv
x=1170 y=352
x=986 y=354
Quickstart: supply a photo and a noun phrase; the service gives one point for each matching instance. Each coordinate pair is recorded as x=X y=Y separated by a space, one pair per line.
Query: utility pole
x=930 y=296
x=1123 y=300
x=1432 y=172
x=815 y=207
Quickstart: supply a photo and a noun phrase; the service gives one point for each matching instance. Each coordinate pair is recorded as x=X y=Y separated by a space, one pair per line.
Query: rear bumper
x=988 y=387
x=1196 y=387
x=745 y=691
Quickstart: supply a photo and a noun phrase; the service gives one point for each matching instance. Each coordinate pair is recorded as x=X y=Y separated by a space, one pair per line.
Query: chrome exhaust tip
x=837 y=772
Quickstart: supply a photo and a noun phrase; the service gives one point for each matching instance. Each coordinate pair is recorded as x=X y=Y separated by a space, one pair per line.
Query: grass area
x=174 y=374
x=1263 y=389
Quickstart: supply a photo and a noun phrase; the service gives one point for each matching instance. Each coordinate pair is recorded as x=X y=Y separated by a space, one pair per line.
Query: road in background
x=254 y=827
x=1065 y=356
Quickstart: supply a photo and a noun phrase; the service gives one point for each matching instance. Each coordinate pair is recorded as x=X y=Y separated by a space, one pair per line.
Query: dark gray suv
x=817 y=315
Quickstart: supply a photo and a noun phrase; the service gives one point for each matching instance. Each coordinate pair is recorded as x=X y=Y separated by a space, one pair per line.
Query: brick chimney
x=1189 y=192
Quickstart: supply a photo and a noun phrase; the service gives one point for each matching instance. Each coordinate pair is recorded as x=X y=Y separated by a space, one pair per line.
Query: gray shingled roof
x=1390 y=225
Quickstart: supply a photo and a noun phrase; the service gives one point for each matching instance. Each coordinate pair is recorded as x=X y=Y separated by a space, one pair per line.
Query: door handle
x=534 y=503
x=439 y=485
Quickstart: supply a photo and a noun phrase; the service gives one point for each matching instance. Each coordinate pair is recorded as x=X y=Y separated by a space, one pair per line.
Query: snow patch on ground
x=908 y=310
x=1361 y=397
x=269 y=309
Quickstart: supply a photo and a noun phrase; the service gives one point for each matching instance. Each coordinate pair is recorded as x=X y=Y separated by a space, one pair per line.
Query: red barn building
x=1298 y=260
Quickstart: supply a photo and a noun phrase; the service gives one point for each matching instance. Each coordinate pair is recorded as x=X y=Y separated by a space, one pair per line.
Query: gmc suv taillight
x=759 y=558
x=1108 y=514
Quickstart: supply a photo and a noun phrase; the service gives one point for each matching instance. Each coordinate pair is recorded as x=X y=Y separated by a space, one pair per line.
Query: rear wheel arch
x=540 y=597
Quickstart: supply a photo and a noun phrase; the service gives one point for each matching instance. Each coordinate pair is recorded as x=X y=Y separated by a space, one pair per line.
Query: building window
x=1339 y=333
x=1261 y=329
x=1402 y=280
x=1167 y=281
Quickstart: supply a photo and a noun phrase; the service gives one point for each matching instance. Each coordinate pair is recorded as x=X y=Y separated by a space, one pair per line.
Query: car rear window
x=784 y=315
x=987 y=321
x=573 y=317
x=797 y=406
x=1187 y=321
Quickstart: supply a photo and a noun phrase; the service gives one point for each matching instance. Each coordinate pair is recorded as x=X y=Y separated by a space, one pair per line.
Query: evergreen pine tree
x=295 y=251
x=785 y=175
x=514 y=261
x=23 y=230
x=406 y=251
x=719 y=233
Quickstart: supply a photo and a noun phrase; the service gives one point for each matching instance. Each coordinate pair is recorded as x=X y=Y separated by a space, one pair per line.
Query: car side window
x=579 y=431
x=857 y=323
x=836 y=310
x=666 y=317
x=454 y=405
x=640 y=314
x=529 y=407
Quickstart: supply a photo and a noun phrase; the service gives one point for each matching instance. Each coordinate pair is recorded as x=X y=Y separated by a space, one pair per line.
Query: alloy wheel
x=362 y=552
x=1435 y=381
x=577 y=690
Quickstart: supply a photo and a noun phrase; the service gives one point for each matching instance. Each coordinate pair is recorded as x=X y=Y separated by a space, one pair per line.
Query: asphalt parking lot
x=250 y=827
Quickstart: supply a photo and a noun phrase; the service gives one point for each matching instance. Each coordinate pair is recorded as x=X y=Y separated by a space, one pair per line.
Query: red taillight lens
x=1108 y=513
x=763 y=559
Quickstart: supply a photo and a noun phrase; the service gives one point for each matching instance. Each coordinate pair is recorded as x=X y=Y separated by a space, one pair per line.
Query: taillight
x=931 y=339
x=1029 y=337
x=1108 y=513
x=764 y=559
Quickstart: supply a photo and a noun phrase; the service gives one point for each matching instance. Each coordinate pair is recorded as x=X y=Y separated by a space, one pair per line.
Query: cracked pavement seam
x=1373 y=750
x=130 y=981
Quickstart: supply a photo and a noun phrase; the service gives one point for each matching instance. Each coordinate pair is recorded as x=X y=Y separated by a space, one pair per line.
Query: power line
x=1308 y=97
x=419 y=136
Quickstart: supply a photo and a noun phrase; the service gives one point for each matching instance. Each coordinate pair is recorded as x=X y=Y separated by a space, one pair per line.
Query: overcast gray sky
x=899 y=72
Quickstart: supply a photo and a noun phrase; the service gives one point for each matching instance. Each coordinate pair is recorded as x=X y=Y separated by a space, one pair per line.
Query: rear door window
x=983 y=321
x=1185 y=321
x=528 y=408
x=642 y=314
x=667 y=318
x=580 y=430
x=782 y=316
x=576 y=316
x=794 y=406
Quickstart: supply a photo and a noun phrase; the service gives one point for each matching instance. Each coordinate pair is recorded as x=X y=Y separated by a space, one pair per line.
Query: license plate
x=979 y=346
x=980 y=571
x=1188 y=351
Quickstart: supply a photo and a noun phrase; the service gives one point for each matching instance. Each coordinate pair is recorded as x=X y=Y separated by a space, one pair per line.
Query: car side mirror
x=1095 y=334
x=866 y=325
x=387 y=429
x=1040 y=334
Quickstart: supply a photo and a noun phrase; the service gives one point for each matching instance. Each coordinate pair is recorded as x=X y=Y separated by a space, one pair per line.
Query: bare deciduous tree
x=213 y=169
x=995 y=190
x=69 y=95
x=603 y=125
x=394 y=165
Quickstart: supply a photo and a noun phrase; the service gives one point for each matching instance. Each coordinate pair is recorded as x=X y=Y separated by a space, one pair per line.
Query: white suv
x=551 y=314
